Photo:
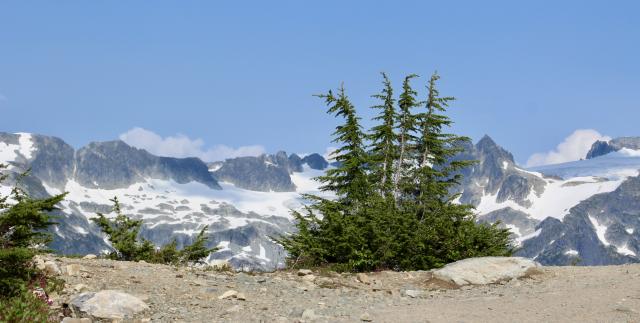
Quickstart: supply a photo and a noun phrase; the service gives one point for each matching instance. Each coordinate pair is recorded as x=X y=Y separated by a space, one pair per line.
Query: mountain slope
x=583 y=212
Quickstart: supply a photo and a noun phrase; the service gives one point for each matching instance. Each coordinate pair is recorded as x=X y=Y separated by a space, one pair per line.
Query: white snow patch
x=556 y=200
x=80 y=230
x=223 y=245
x=530 y=235
x=630 y=230
x=505 y=164
x=514 y=229
x=263 y=254
x=246 y=248
x=629 y=152
x=57 y=230
x=625 y=251
x=571 y=252
x=601 y=230
x=8 y=152
x=26 y=145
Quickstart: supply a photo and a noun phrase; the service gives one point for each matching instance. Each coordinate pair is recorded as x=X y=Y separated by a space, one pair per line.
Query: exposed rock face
x=115 y=164
x=510 y=218
x=486 y=270
x=495 y=173
x=600 y=148
x=108 y=304
x=264 y=173
x=598 y=231
x=315 y=161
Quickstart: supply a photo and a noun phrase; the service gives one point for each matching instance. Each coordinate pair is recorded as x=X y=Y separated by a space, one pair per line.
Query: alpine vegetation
x=394 y=206
x=123 y=233
x=24 y=286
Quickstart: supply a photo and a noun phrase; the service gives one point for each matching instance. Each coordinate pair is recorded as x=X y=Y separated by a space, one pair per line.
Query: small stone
x=73 y=269
x=309 y=314
x=228 y=294
x=413 y=293
x=363 y=278
x=625 y=309
x=142 y=262
x=325 y=282
x=304 y=272
x=39 y=262
x=90 y=256
x=261 y=280
x=365 y=317
x=241 y=297
x=51 y=268
x=80 y=288
x=233 y=309
x=76 y=320
x=309 y=278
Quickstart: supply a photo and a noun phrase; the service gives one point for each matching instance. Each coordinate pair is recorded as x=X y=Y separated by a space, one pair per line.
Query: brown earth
x=557 y=294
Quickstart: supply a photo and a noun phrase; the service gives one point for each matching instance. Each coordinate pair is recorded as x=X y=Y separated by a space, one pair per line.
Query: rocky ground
x=555 y=294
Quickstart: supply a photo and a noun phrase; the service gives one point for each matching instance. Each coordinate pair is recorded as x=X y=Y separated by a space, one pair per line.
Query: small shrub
x=123 y=234
x=23 y=223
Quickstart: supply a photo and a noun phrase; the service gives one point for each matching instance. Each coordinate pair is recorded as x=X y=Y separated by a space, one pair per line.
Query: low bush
x=123 y=234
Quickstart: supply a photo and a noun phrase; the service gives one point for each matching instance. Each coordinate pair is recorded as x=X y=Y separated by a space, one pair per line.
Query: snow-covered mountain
x=585 y=212
x=175 y=197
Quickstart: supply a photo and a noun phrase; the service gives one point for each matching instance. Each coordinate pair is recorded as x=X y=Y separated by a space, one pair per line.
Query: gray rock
x=108 y=304
x=486 y=270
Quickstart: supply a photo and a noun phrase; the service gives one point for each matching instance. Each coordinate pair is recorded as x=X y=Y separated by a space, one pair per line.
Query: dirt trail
x=558 y=294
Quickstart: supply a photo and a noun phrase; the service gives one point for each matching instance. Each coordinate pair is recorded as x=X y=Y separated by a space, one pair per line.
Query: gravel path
x=558 y=294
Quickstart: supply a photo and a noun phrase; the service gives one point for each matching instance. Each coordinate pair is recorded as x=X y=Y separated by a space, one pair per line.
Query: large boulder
x=486 y=270
x=108 y=304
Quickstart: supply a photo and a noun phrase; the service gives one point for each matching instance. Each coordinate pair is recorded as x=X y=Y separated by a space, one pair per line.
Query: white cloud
x=574 y=147
x=183 y=146
x=329 y=153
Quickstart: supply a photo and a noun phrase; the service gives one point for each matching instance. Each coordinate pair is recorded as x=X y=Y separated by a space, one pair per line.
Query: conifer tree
x=404 y=222
x=383 y=149
x=407 y=128
x=349 y=179
x=437 y=172
x=23 y=224
x=123 y=234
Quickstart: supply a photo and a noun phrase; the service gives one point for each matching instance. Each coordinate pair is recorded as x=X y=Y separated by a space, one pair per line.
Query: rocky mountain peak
x=487 y=147
x=600 y=148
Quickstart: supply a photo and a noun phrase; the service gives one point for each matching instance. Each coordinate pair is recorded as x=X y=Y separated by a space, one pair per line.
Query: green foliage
x=23 y=221
x=394 y=208
x=123 y=233
x=24 y=307
x=23 y=224
x=197 y=251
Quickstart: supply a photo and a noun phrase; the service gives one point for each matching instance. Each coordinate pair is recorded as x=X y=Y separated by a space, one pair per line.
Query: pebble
x=363 y=278
x=228 y=294
x=365 y=317
x=309 y=314
x=304 y=272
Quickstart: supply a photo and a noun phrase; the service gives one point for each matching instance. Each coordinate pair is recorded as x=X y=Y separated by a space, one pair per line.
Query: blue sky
x=241 y=74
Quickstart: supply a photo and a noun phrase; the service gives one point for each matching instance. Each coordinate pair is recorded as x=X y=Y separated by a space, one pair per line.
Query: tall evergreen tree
x=407 y=128
x=349 y=179
x=383 y=149
x=437 y=172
